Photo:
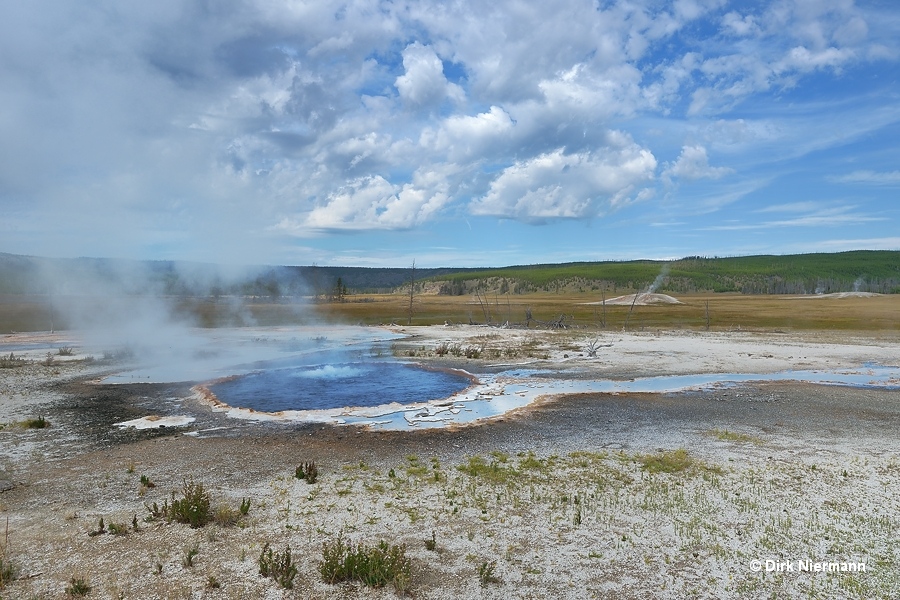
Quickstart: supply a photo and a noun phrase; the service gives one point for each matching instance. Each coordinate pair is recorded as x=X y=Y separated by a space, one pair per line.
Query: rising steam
x=141 y=311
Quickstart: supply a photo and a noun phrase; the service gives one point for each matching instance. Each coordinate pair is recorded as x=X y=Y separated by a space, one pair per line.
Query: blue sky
x=375 y=133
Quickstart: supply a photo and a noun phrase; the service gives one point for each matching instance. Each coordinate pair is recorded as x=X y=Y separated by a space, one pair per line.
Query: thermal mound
x=641 y=300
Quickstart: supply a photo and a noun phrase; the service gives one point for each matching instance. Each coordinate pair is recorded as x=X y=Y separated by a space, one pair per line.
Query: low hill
x=856 y=271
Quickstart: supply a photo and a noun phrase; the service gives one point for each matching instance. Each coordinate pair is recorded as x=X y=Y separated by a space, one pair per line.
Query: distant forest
x=863 y=270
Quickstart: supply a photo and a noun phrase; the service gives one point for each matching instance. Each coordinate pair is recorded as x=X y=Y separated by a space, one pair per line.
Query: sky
x=377 y=133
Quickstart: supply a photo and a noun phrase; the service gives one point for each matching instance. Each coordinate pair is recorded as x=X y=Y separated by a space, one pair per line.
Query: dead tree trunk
x=412 y=292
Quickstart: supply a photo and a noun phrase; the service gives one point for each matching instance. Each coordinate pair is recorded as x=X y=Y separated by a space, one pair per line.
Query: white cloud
x=424 y=83
x=465 y=137
x=692 y=164
x=738 y=25
x=560 y=185
x=803 y=59
x=869 y=177
x=818 y=216
x=375 y=203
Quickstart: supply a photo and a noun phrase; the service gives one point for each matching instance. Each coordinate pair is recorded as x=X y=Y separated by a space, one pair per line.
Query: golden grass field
x=725 y=311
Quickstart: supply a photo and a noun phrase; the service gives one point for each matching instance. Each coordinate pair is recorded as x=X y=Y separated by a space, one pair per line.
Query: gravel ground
x=593 y=495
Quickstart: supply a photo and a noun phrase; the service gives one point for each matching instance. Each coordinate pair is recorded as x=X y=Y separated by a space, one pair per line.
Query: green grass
x=38 y=423
x=670 y=461
x=373 y=566
x=734 y=436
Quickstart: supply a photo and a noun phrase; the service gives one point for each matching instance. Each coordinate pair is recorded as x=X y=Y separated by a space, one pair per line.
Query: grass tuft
x=78 y=587
x=373 y=566
x=670 y=461
x=307 y=471
x=734 y=436
x=39 y=423
x=278 y=565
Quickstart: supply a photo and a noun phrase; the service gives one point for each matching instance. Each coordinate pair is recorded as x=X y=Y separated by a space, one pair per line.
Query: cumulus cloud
x=559 y=185
x=692 y=164
x=375 y=203
x=424 y=83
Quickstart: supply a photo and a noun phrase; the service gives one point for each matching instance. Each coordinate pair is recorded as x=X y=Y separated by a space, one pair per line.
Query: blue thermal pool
x=336 y=385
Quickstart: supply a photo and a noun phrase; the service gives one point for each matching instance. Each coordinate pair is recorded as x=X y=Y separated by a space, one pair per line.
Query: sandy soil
x=561 y=499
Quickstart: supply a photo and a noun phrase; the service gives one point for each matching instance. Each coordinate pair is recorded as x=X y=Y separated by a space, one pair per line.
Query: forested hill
x=864 y=270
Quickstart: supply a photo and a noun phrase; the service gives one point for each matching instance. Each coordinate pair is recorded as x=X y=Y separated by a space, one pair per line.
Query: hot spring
x=348 y=375
x=338 y=383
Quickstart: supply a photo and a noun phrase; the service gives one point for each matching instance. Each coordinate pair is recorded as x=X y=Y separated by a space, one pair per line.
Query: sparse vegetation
x=374 y=566
x=189 y=555
x=193 y=508
x=486 y=573
x=11 y=361
x=38 y=423
x=101 y=529
x=734 y=436
x=8 y=570
x=278 y=565
x=307 y=471
x=78 y=587
x=118 y=528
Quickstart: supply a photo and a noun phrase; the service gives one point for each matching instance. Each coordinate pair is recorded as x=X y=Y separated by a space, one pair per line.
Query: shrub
x=118 y=528
x=39 y=423
x=278 y=565
x=432 y=543
x=307 y=471
x=245 y=506
x=101 y=529
x=11 y=361
x=193 y=507
x=486 y=572
x=374 y=566
x=8 y=571
x=78 y=587
x=66 y=351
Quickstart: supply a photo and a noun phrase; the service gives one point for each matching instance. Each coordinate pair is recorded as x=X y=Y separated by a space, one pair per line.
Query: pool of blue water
x=328 y=385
